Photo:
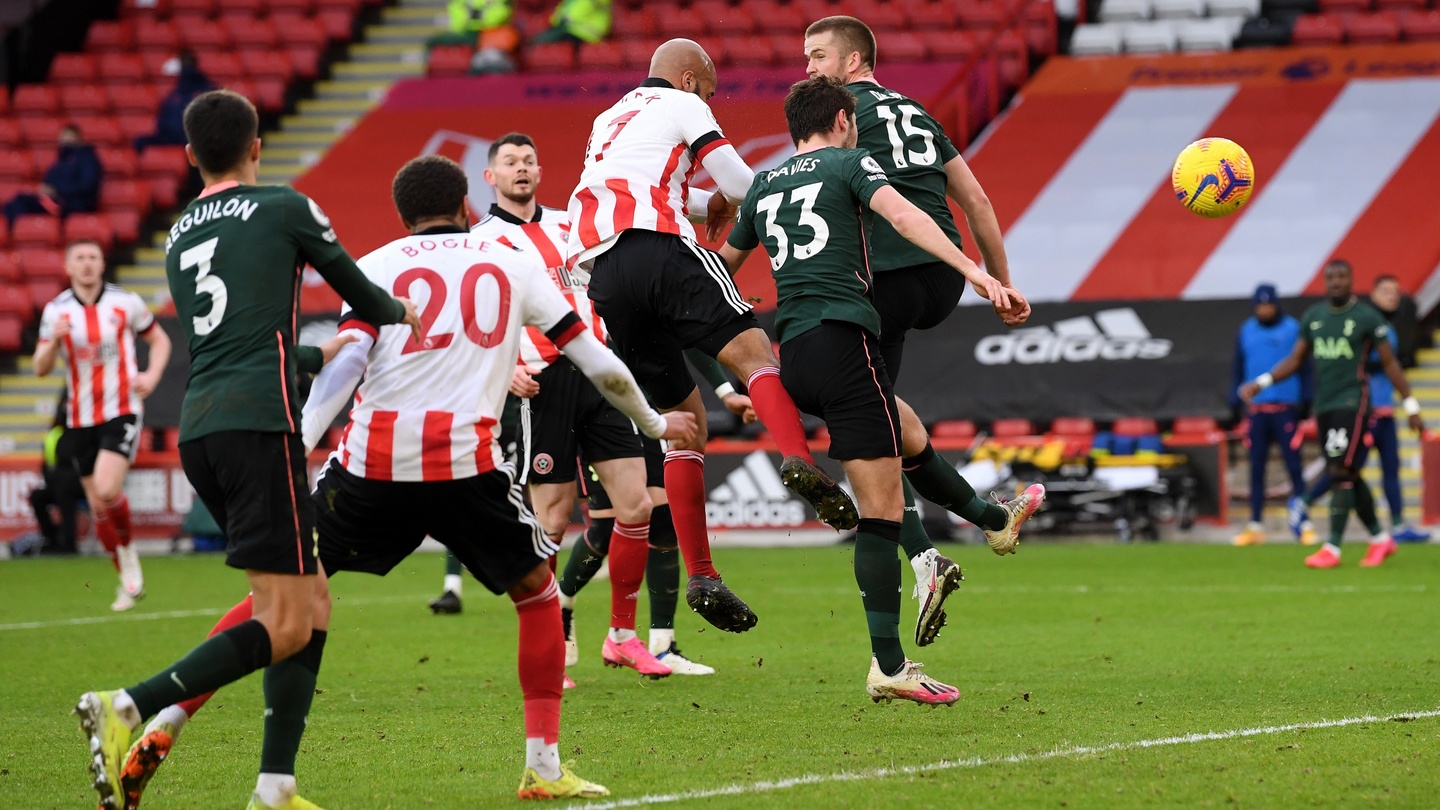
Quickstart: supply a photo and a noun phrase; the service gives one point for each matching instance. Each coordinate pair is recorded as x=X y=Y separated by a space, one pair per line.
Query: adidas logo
x=1110 y=334
x=754 y=497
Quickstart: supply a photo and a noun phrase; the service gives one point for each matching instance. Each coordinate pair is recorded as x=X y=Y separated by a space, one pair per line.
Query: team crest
x=543 y=464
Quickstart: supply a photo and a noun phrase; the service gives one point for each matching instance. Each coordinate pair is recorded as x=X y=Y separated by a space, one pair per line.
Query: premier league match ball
x=1213 y=177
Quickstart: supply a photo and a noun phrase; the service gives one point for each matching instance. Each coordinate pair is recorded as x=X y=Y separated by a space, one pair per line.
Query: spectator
x=169 y=119
x=1265 y=340
x=71 y=184
x=1402 y=313
x=488 y=27
x=62 y=488
x=578 y=21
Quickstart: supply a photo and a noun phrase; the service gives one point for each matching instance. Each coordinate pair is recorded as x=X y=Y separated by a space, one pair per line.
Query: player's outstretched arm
x=917 y=226
x=1283 y=369
x=614 y=381
x=965 y=190
x=335 y=384
x=1396 y=374
x=159 y=342
x=368 y=302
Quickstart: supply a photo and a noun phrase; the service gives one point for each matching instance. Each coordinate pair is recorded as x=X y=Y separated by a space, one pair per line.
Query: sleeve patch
x=707 y=143
x=565 y=330
x=356 y=323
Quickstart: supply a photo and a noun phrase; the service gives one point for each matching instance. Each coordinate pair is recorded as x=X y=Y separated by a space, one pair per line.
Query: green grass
x=1061 y=646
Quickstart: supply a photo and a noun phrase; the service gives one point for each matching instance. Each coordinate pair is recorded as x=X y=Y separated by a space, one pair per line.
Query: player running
x=1340 y=334
x=810 y=213
x=95 y=325
x=660 y=292
x=913 y=290
x=233 y=260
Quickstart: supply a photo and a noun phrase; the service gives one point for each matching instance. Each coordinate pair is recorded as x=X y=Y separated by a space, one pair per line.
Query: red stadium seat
x=639 y=51
x=103 y=131
x=934 y=17
x=955 y=429
x=1392 y=5
x=297 y=7
x=36 y=230
x=12 y=330
x=42 y=264
x=1344 y=6
x=267 y=65
x=126 y=225
x=156 y=35
x=133 y=126
x=109 y=37
x=812 y=10
x=950 y=45
x=778 y=19
x=84 y=99
x=204 y=37
x=201 y=8
x=550 y=58
x=164 y=191
x=1073 y=426
x=450 y=60
x=163 y=161
x=351 y=7
x=1378 y=27
x=72 y=68
x=12 y=272
x=894 y=46
x=1012 y=59
x=300 y=32
x=41 y=132
x=43 y=292
x=155 y=62
x=338 y=25
x=1317 y=29
x=89 y=226
x=880 y=16
x=134 y=99
x=1011 y=428
x=682 y=23
x=1134 y=426
x=306 y=60
x=756 y=51
x=269 y=95
x=16 y=167
x=1194 y=424
x=602 y=56
x=125 y=195
x=222 y=67
x=634 y=23
x=144 y=8
x=16 y=301
x=35 y=100
x=1041 y=28
x=1420 y=25
x=722 y=19
x=980 y=14
x=10 y=134
x=117 y=69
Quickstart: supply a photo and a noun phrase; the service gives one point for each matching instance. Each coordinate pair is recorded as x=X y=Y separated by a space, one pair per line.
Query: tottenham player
x=95 y=324
x=562 y=413
x=660 y=292
x=915 y=290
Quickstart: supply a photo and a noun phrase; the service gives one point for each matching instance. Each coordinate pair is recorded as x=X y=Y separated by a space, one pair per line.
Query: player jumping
x=94 y=324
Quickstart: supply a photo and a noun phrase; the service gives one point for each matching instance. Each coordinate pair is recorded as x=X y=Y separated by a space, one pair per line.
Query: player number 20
x=805 y=197
x=435 y=302
x=898 y=153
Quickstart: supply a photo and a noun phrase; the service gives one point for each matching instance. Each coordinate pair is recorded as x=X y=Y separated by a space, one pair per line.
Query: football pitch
x=1092 y=676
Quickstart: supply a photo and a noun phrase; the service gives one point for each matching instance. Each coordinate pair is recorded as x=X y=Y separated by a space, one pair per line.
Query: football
x=1213 y=177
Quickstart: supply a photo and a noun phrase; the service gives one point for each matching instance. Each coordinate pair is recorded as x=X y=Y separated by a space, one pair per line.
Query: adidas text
x=1112 y=334
x=753 y=496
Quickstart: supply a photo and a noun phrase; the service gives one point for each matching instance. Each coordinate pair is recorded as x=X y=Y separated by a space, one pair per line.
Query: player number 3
x=200 y=257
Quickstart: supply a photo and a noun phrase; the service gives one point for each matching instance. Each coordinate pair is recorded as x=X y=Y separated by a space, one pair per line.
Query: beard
x=522 y=196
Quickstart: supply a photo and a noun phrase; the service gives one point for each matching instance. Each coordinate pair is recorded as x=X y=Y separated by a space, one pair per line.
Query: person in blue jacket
x=1386 y=441
x=1265 y=339
x=70 y=185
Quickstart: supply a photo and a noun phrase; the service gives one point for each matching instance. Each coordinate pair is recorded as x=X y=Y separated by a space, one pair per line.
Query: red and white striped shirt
x=427 y=409
x=100 y=351
x=638 y=164
x=549 y=234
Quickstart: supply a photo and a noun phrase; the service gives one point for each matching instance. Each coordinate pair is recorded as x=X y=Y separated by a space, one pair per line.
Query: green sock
x=289 y=690
x=1365 y=507
x=912 y=532
x=452 y=565
x=223 y=658
x=1342 y=498
x=877 y=572
x=587 y=556
x=662 y=569
x=939 y=482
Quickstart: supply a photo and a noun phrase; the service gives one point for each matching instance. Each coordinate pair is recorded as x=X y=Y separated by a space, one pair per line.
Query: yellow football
x=1213 y=177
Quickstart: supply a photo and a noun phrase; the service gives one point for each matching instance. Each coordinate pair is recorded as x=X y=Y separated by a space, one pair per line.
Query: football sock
x=454 y=583
x=685 y=489
x=235 y=615
x=629 y=546
x=172 y=716
x=586 y=558
x=662 y=569
x=275 y=789
x=877 y=572
x=912 y=532
x=542 y=672
x=452 y=564
x=1342 y=498
x=223 y=658
x=778 y=413
x=939 y=482
x=289 y=691
x=118 y=511
x=109 y=539
x=1365 y=508
x=660 y=639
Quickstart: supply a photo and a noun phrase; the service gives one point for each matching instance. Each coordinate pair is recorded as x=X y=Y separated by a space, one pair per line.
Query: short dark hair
x=510 y=139
x=429 y=186
x=84 y=240
x=220 y=126
x=811 y=105
x=855 y=35
x=71 y=126
x=1339 y=264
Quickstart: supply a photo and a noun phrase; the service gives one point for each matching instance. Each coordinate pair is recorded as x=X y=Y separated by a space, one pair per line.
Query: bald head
x=684 y=64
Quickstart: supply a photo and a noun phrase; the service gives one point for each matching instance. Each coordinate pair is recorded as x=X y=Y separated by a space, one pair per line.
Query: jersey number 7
x=435 y=302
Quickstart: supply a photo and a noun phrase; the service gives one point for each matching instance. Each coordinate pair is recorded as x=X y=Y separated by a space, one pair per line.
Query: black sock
x=452 y=565
x=1342 y=498
x=877 y=572
x=289 y=690
x=587 y=556
x=913 y=537
x=1365 y=507
x=223 y=658
x=662 y=569
x=939 y=482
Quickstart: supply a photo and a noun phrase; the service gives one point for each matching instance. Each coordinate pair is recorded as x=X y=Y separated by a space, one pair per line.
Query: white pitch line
x=179 y=614
x=980 y=762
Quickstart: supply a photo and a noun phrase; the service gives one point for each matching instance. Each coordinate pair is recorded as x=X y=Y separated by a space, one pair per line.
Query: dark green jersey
x=1340 y=341
x=810 y=212
x=912 y=149
x=234 y=262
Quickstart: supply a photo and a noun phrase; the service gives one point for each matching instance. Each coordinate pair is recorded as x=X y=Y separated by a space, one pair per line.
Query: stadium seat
x=11 y=271
x=164 y=191
x=1422 y=25
x=16 y=301
x=778 y=19
x=950 y=45
x=639 y=51
x=635 y=23
x=44 y=291
x=36 y=231
x=1344 y=6
x=163 y=161
x=722 y=19
x=1194 y=424
x=43 y=133
x=980 y=14
x=12 y=329
x=1216 y=34
x=102 y=131
x=450 y=60
x=901 y=46
x=269 y=95
x=1177 y=9
x=1263 y=32
x=306 y=60
x=1318 y=29
x=337 y=24
x=156 y=35
x=351 y=7
x=35 y=100
x=880 y=16
x=300 y=32
x=751 y=51
x=72 y=68
x=134 y=99
x=125 y=195
x=84 y=99
x=126 y=225
x=10 y=134
x=602 y=56
x=1244 y=9
x=550 y=58
x=1012 y=60
x=148 y=8
x=1153 y=36
x=955 y=429
x=1400 y=5
x=198 y=8
x=119 y=69
x=1379 y=27
x=104 y=37
x=1134 y=426
x=204 y=37
x=1041 y=28
x=90 y=226
x=1011 y=428
x=682 y=23
x=133 y=126
x=16 y=166
x=222 y=67
x=274 y=65
x=296 y=7
x=40 y=264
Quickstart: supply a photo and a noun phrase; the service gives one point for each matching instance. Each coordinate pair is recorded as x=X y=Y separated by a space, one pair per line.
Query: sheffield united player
x=94 y=324
x=233 y=260
x=660 y=292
